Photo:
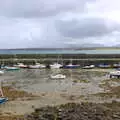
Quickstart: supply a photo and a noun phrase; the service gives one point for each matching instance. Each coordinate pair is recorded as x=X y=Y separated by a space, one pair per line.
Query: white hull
x=56 y=66
x=89 y=67
x=37 y=66
x=20 y=65
x=58 y=76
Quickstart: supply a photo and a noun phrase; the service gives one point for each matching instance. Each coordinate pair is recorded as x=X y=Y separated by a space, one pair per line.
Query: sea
x=30 y=51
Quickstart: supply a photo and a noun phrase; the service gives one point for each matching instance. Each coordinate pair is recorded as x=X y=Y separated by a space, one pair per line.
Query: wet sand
x=30 y=89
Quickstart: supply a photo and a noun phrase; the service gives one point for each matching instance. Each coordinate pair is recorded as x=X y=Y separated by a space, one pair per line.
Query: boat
x=2 y=98
x=7 y=68
x=116 y=65
x=37 y=66
x=20 y=65
x=56 y=65
x=58 y=76
x=104 y=66
x=114 y=74
x=71 y=66
x=89 y=67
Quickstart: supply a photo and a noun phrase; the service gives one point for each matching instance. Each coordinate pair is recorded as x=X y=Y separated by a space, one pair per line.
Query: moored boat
x=3 y=100
x=115 y=74
x=89 y=67
x=37 y=66
x=11 y=68
x=58 y=76
x=20 y=65
x=56 y=65
x=104 y=66
x=116 y=65
x=71 y=66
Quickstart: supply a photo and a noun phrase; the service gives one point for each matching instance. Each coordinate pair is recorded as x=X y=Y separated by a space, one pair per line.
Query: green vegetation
x=73 y=111
x=81 y=81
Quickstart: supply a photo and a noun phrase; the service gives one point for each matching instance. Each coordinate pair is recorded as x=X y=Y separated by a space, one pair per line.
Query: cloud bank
x=59 y=23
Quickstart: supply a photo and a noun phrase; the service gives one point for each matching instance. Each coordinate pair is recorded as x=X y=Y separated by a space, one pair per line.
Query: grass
x=81 y=81
x=113 y=92
x=13 y=94
x=12 y=117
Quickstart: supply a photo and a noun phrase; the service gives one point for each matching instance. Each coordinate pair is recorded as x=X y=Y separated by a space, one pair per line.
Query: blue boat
x=104 y=66
x=3 y=100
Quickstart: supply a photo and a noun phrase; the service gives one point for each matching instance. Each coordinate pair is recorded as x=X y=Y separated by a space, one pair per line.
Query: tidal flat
x=29 y=89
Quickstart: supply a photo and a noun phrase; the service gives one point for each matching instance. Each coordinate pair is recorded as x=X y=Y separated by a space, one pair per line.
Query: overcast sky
x=59 y=23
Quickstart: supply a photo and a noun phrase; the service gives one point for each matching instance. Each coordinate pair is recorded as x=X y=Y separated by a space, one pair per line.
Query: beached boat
x=3 y=100
x=37 y=66
x=56 y=65
x=20 y=65
x=115 y=74
x=104 y=66
x=71 y=66
x=116 y=65
x=11 y=68
x=58 y=76
x=89 y=67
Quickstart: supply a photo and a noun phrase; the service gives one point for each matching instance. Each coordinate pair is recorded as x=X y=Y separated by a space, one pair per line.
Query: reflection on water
x=39 y=80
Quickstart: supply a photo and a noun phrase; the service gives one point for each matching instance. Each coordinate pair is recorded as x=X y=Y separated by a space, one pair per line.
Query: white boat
x=37 y=66
x=115 y=74
x=89 y=67
x=56 y=65
x=58 y=76
x=21 y=65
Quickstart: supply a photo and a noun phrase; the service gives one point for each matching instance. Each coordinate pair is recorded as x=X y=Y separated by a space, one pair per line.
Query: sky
x=59 y=23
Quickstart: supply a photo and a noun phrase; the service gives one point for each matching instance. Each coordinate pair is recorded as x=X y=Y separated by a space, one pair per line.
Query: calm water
x=112 y=51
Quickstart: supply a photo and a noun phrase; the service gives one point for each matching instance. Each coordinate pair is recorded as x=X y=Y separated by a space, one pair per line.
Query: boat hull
x=3 y=100
x=12 y=68
x=71 y=67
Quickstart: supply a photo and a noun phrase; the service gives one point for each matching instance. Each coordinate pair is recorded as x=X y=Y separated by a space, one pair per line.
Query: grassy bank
x=83 y=59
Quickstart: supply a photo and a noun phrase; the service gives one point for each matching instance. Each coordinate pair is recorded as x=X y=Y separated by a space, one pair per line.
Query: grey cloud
x=84 y=28
x=39 y=8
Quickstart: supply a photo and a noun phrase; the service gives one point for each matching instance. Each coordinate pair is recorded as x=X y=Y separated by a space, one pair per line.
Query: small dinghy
x=58 y=76
x=89 y=67
x=37 y=66
x=71 y=66
x=20 y=65
x=56 y=65
x=115 y=74
x=12 y=68
x=3 y=100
